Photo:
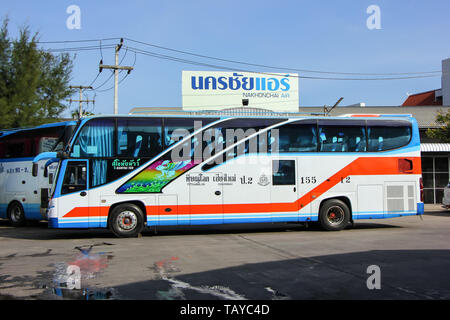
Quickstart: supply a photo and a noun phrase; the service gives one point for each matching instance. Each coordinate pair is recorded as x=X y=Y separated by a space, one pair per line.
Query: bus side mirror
x=34 y=170
x=50 y=178
x=46 y=172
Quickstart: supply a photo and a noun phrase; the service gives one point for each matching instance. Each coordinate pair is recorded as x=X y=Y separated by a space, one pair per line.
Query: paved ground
x=231 y=262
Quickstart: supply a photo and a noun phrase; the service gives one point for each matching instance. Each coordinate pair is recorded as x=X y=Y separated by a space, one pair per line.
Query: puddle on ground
x=85 y=294
x=69 y=277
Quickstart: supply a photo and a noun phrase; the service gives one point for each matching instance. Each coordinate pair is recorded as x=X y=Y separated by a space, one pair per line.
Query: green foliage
x=76 y=115
x=33 y=82
x=443 y=132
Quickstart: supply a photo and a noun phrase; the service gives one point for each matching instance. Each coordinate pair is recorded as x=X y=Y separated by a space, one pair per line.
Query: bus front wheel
x=334 y=215
x=16 y=214
x=126 y=220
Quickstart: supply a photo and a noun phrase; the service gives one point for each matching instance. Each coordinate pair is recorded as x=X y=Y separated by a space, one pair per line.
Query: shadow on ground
x=405 y=274
x=40 y=231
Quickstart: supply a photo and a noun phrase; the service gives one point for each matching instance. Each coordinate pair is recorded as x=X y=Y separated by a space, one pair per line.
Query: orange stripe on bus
x=360 y=166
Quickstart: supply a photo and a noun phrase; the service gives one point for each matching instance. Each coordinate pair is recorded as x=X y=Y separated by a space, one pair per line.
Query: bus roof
x=223 y=114
x=7 y=132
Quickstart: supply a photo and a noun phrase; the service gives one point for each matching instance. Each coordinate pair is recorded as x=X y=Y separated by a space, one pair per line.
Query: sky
x=314 y=35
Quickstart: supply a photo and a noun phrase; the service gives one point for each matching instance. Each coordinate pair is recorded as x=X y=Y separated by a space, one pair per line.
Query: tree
x=33 y=82
x=441 y=133
x=76 y=114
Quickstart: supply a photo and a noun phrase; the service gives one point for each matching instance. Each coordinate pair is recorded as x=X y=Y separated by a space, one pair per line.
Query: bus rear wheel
x=334 y=215
x=126 y=220
x=16 y=214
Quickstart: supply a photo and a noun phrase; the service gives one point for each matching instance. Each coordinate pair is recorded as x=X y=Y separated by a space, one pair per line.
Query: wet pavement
x=233 y=262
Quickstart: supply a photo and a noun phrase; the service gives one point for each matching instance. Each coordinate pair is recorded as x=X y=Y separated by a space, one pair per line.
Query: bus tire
x=126 y=220
x=16 y=214
x=334 y=215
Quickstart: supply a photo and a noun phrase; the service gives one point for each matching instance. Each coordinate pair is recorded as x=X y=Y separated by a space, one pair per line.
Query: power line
x=258 y=65
x=85 y=48
x=171 y=58
x=274 y=67
x=90 y=85
x=112 y=73
x=221 y=67
x=75 y=41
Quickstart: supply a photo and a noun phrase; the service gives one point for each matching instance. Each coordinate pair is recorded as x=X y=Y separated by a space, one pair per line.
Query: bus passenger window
x=75 y=178
x=139 y=138
x=388 y=136
x=96 y=139
x=342 y=138
x=297 y=137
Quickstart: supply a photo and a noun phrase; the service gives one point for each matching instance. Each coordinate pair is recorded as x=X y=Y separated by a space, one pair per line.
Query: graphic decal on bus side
x=156 y=176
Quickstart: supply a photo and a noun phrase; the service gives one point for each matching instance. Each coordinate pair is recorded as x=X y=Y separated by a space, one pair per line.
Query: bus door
x=205 y=197
x=77 y=206
x=284 y=193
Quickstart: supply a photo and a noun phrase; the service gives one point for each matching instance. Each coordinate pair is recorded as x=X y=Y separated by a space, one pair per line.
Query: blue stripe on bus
x=209 y=219
x=17 y=159
x=3 y=208
x=32 y=211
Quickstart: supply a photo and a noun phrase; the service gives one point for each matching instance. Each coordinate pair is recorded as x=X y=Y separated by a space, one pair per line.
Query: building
x=427 y=98
x=437 y=97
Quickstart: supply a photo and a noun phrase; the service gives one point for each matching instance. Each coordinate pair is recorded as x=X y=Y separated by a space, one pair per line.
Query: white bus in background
x=129 y=172
x=24 y=196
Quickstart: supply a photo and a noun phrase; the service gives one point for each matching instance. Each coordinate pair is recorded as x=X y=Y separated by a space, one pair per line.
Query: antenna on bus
x=327 y=111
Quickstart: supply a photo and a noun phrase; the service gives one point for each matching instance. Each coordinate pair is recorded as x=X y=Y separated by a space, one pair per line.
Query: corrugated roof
x=427 y=98
x=435 y=147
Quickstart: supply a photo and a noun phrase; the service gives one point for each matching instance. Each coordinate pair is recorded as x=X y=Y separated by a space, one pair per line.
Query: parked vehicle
x=24 y=196
x=129 y=172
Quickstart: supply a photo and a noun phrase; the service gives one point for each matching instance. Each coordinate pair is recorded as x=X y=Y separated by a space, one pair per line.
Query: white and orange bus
x=129 y=172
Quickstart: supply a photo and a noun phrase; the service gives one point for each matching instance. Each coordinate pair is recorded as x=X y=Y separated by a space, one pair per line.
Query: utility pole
x=80 y=110
x=116 y=69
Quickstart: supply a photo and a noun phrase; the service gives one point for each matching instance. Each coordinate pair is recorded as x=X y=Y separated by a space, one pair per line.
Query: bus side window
x=342 y=138
x=283 y=172
x=138 y=138
x=388 y=136
x=75 y=178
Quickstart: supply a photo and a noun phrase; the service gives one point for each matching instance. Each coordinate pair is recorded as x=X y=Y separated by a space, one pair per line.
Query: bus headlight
x=52 y=212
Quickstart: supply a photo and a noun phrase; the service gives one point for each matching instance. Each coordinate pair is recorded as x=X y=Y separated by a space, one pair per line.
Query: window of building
x=435 y=174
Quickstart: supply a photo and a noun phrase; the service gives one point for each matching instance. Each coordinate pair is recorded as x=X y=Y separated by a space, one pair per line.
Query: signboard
x=213 y=90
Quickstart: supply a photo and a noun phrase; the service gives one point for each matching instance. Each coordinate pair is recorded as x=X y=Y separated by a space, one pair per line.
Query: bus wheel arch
x=335 y=213
x=126 y=219
x=16 y=214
